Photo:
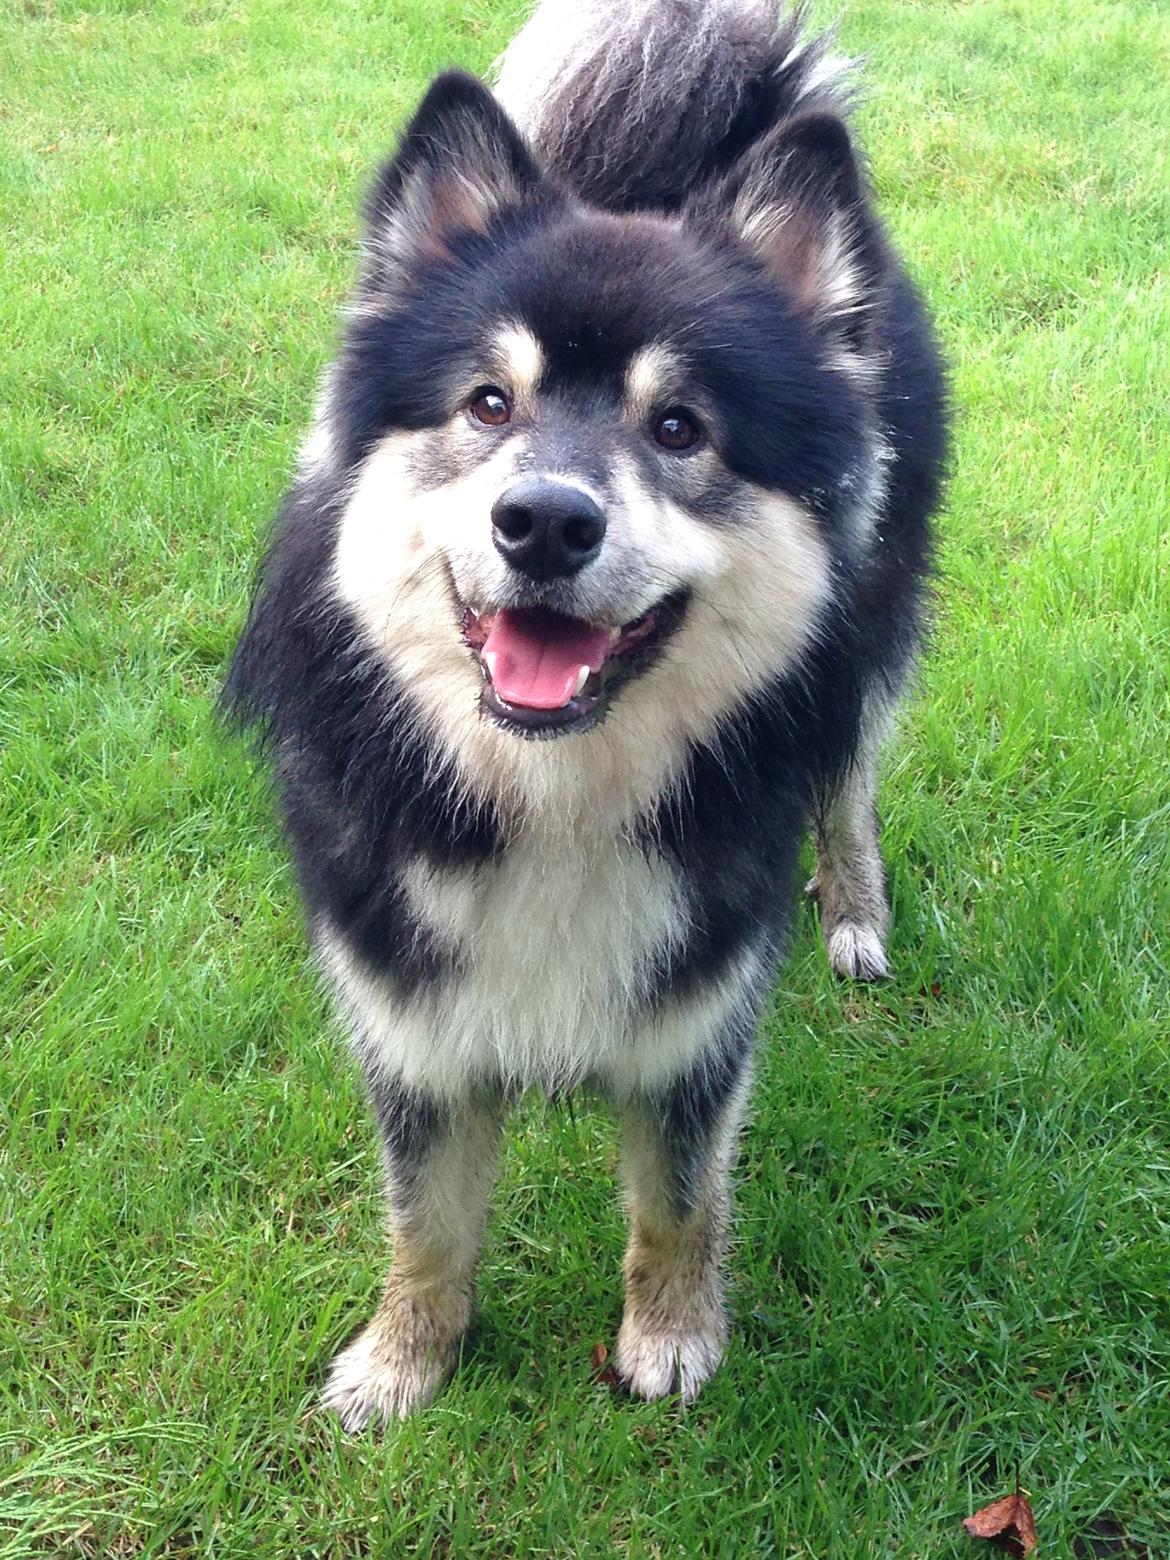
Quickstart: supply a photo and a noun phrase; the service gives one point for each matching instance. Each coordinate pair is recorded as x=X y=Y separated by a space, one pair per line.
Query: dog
x=603 y=567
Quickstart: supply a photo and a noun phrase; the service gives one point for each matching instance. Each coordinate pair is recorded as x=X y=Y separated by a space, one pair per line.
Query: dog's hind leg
x=850 y=883
x=677 y=1148
x=440 y=1164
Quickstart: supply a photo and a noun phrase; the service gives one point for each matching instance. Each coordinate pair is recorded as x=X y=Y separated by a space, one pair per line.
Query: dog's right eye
x=491 y=406
x=677 y=430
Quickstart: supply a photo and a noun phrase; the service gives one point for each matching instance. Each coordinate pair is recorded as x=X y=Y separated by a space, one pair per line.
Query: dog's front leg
x=677 y=1148
x=440 y=1164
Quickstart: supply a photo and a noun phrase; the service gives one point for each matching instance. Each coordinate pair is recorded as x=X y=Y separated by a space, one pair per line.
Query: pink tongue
x=535 y=657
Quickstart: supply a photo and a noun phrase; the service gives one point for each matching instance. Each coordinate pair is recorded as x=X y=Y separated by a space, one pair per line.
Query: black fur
x=686 y=1115
x=358 y=790
x=362 y=788
x=633 y=145
x=408 y=1124
x=811 y=369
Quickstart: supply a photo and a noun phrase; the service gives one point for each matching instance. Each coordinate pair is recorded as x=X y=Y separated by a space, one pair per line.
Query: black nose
x=547 y=529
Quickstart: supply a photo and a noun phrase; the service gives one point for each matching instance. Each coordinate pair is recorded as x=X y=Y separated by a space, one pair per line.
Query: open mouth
x=544 y=674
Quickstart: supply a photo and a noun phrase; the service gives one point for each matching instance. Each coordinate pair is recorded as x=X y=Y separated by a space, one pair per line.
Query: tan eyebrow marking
x=652 y=375
x=521 y=359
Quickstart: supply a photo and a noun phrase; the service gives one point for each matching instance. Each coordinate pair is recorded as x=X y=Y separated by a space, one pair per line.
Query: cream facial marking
x=520 y=361
x=758 y=589
x=652 y=378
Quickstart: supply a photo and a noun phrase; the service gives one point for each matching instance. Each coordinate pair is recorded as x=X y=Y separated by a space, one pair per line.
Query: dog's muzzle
x=546 y=674
x=547 y=530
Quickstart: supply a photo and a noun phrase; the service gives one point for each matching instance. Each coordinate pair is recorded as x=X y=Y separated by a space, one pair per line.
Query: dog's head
x=586 y=453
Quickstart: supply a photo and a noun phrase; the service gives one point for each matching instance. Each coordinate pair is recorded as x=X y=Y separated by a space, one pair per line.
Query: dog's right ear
x=460 y=162
x=796 y=201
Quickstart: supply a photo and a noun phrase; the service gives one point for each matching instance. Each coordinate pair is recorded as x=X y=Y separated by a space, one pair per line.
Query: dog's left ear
x=460 y=162
x=797 y=202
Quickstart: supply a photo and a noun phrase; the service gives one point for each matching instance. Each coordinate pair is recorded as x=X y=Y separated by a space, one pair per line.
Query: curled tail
x=636 y=103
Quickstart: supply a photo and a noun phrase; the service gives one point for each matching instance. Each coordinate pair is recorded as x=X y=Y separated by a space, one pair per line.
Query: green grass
x=952 y=1253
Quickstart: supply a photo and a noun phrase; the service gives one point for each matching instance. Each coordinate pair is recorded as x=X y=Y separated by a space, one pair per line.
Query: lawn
x=952 y=1255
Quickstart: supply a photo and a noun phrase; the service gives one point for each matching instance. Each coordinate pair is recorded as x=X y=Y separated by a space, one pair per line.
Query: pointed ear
x=797 y=202
x=460 y=161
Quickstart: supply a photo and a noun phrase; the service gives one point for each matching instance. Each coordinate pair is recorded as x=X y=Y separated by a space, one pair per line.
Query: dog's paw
x=388 y=1372
x=856 y=951
x=662 y=1364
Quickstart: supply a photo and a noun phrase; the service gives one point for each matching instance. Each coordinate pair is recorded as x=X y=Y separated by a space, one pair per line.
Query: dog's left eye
x=676 y=429
x=491 y=406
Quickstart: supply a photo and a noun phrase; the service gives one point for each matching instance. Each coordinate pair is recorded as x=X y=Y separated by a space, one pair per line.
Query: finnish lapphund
x=601 y=572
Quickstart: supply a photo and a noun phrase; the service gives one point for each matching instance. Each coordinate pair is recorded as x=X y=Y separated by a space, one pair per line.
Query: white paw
x=660 y=1364
x=856 y=951
x=379 y=1378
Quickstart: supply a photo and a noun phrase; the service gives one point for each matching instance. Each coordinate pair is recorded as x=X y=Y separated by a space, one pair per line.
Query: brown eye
x=491 y=406
x=676 y=429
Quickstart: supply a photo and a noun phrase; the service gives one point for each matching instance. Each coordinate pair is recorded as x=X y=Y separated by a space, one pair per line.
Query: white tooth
x=582 y=679
x=490 y=662
x=614 y=635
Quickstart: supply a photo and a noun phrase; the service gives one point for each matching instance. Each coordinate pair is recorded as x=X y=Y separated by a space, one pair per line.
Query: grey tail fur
x=634 y=104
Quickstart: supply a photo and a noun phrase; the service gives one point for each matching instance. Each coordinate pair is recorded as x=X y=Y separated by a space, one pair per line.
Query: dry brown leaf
x=604 y=1374
x=1008 y=1522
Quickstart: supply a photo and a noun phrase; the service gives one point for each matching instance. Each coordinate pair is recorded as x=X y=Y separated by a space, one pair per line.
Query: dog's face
x=592 y=460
